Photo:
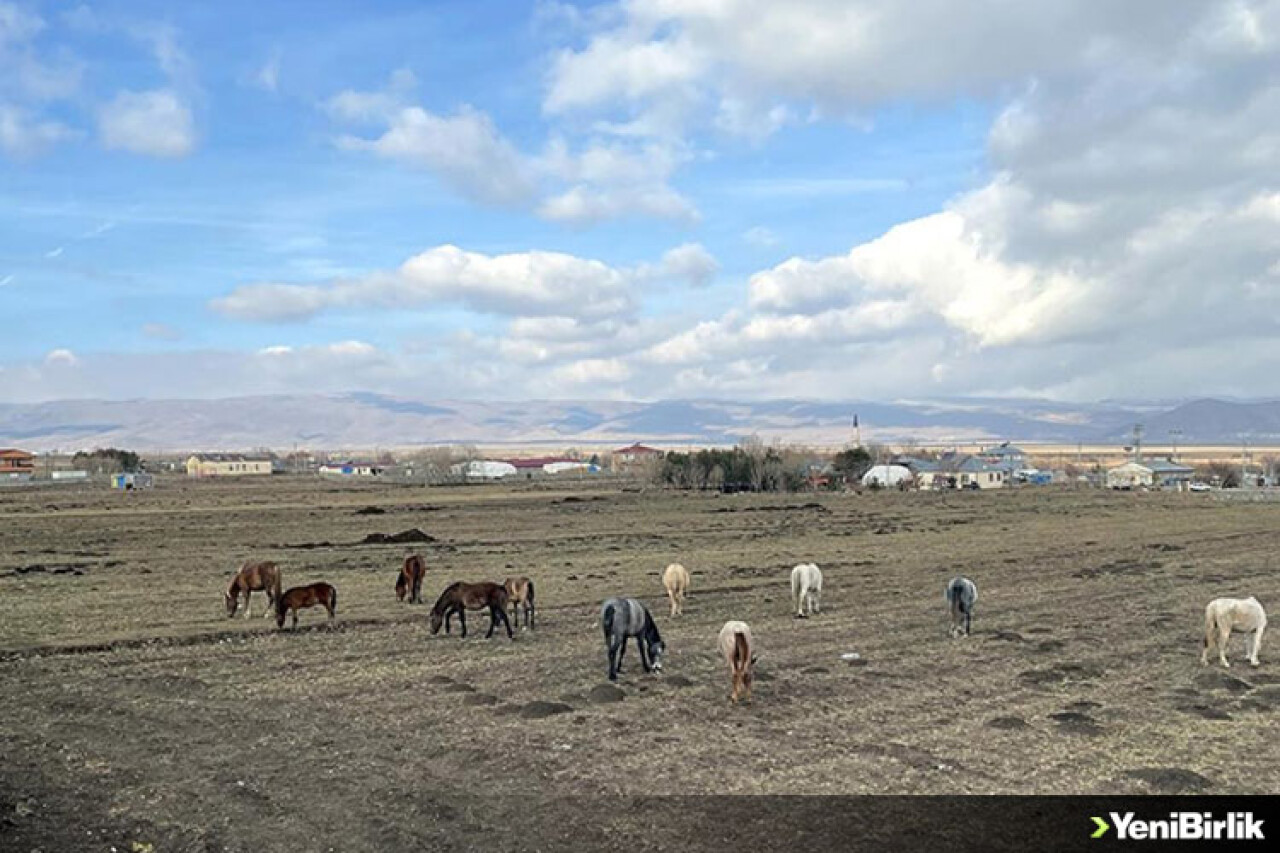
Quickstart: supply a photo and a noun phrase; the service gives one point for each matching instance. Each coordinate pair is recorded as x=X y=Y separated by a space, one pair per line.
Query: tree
x=852 y=463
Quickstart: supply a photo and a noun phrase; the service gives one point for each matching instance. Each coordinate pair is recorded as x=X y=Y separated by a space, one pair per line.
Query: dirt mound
x=1008 y=723
x=1218 y=680
x=413 y=534
x=480 y=699
x=1076 y=723
x=539 y=709
x=606 y=693
x=371 y=510
x=1171 y=780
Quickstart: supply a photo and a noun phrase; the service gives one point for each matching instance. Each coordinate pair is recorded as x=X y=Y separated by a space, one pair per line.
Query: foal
x=806 y=587
x=736 y=648
x=520 y=594
x=961 y=594
x=621 y=618
x=459 y=597
x=410 y=579
x=1222 y=616
x=253 y=576
x=301 y=597
x=676 y=581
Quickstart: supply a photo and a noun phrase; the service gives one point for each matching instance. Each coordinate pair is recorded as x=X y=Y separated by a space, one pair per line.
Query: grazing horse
x=253 y=576
x=459 y=597
x=301 y=597
x=676 y=581
x=736 y=647
x=621 y=618
x=961 y=594
x=520 y=595
x=806 y=587
x=410 y=579
x=1222 y=616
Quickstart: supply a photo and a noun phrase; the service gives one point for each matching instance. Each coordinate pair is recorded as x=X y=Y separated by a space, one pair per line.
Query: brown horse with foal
x=301 y=597
x=459 y=597
x=253 y=576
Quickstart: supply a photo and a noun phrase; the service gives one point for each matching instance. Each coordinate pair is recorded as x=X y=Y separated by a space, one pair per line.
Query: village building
x=350 y=469
x=635 y=453
x=1150 y=473
x=16 y=464
x=227 y=465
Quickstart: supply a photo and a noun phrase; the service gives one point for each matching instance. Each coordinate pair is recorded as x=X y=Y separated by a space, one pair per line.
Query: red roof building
x=13 y=461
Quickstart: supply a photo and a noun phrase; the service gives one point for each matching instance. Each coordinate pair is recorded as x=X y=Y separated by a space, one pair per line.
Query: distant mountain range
x=367 y=421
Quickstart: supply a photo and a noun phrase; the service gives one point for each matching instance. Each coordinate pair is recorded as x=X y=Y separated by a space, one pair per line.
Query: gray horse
x=961 y=594
x=621 y=618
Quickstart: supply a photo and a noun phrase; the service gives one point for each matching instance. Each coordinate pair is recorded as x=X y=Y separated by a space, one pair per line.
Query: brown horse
x=520 y=593
x=253 y=576
x=301 y=597
x=410 y=579
x=459 y=597
x=735 y=647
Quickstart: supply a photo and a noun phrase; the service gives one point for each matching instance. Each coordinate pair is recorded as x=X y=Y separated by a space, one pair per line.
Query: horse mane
x=651 y=628
x=443 y=601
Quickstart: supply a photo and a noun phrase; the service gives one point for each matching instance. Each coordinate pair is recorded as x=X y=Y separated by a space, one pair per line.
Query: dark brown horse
x=410 y=579
x=301 y=597
x=253 y=576
x=459 y=597
x=520 y=595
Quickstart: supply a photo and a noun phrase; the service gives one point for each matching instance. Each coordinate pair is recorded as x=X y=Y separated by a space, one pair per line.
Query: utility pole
x=1173 y=435
x=1137 y=442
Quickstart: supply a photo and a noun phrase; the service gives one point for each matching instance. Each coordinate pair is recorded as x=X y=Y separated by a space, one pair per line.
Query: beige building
x=227 y=465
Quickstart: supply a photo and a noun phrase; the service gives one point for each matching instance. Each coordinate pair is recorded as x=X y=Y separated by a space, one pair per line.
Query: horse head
x=231 y=598
x=437 y=619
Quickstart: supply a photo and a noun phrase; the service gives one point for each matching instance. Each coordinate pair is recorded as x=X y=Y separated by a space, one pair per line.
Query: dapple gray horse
x=961 y=594
x=621 y=618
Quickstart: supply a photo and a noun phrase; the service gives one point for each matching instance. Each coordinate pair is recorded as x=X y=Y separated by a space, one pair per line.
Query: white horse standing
x=806 y=588
x=1222 y=616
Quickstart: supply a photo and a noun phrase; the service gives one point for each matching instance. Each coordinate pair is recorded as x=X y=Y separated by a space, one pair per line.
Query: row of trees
x=108 y=460
x=754 y=467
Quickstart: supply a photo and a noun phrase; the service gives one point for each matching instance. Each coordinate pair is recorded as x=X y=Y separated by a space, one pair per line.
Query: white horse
x=806 y=586
x=676 y=581
x=1222 y=616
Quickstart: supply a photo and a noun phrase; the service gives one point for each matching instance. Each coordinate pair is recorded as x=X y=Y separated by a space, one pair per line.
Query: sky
x=648 y=199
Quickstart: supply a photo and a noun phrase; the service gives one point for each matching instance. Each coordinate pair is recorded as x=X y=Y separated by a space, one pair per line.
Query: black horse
x=621 y=618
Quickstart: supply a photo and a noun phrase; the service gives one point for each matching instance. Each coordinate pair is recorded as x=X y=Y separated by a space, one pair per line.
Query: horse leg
x=622 y=652
x=615 y=659
x=645 y=660
x=248 y=603
x=505 y=621
x=462 y=621
x=295 y=619
x=1257 y=641
x=1224 y=636
x=493 y=619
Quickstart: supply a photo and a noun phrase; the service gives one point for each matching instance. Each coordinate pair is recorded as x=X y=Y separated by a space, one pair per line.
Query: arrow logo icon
x=1103 y=826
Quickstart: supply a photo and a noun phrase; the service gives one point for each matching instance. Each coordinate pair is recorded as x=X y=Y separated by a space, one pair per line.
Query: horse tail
x=741 y=651
x=606 y=621
x=333 y=600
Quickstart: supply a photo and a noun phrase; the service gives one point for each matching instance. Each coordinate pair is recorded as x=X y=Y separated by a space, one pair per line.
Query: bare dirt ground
x=134 y=711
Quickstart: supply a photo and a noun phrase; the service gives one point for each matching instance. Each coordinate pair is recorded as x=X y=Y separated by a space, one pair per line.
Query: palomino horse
x=621 y=618
x=520 y=595
x=459 y=597
x=736 y=647
x=253 y=576
x=676 y=581
x=961 y=595
x=806 y=588
x=301 y=597
x=410 y=579
x=1224 y=615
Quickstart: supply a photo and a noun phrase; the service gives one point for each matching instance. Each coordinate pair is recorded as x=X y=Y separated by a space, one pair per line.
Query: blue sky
x=641 y=200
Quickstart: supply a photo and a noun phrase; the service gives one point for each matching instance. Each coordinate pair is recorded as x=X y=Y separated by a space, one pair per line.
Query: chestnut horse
x=459 y=597
x=736 y=648
x=410 y=579
x=253 y=576
x=520 y=593
x=301 y=597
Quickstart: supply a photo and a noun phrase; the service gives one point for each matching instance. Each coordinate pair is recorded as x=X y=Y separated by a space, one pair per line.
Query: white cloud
x=528 y=283
x=464 y=150
x=156 y=123
x=62 y=358
x=267 y=77
x=18 y=24
x=23 y=136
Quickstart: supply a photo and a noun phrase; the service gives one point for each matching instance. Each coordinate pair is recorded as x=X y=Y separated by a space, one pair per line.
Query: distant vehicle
x=1199 y=487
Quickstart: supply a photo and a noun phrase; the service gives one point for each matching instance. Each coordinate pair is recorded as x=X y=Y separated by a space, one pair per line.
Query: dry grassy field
x=134 y=710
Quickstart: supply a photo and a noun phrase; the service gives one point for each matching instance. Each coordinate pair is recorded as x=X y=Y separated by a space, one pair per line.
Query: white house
x=1152 y=473
x=886 y=476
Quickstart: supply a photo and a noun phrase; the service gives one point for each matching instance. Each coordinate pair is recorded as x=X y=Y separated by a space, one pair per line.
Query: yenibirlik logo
x=1183 y=826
